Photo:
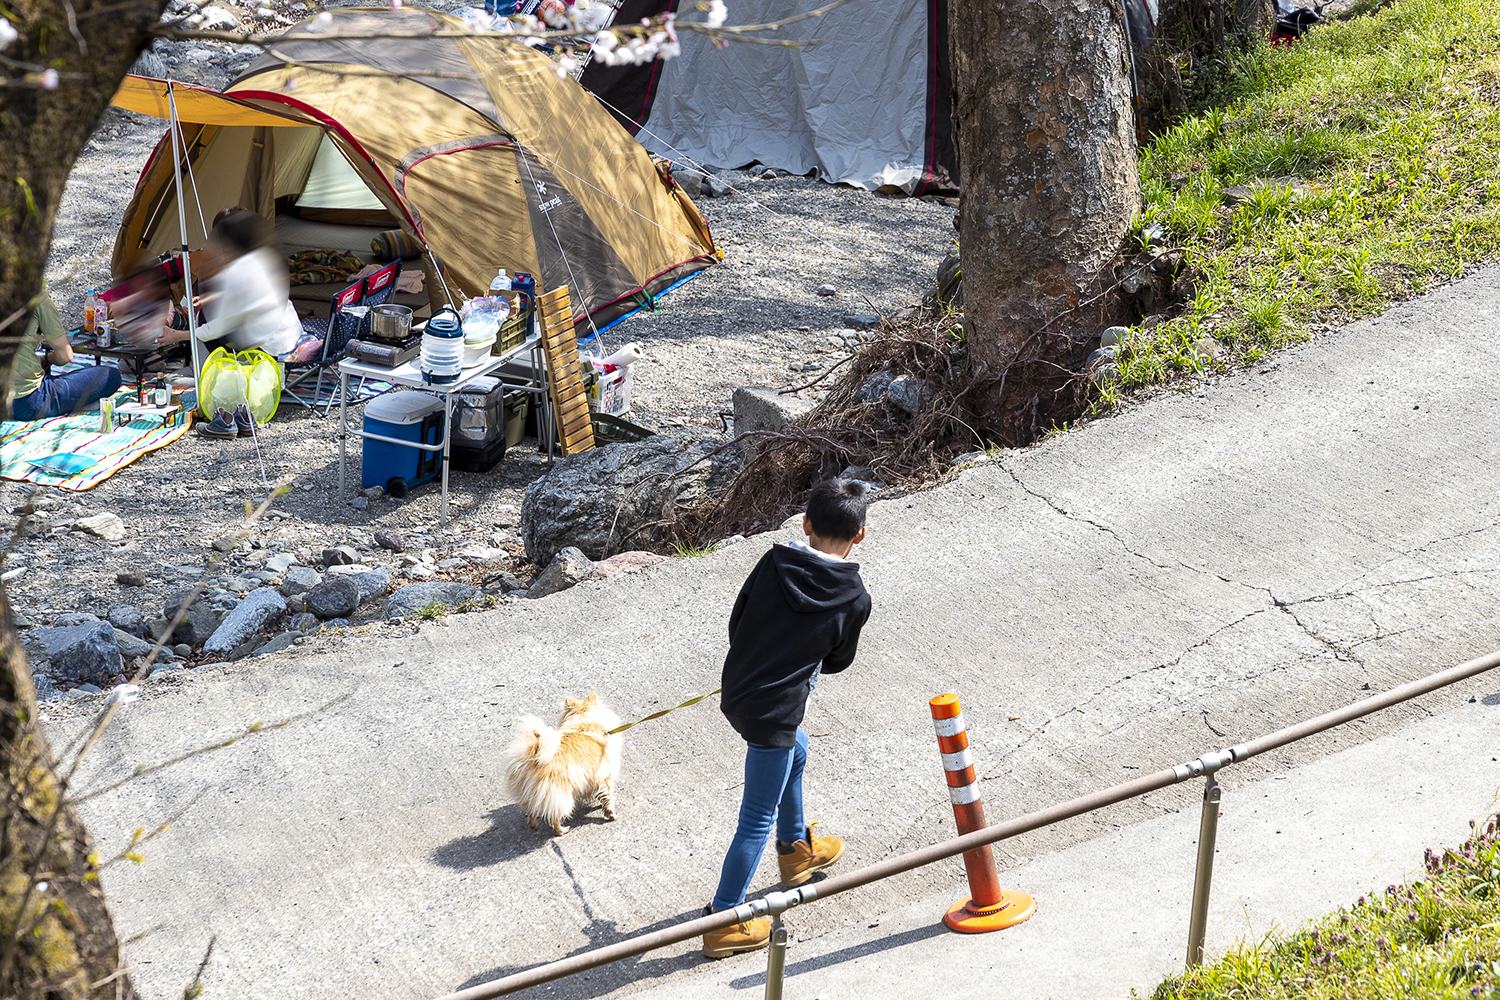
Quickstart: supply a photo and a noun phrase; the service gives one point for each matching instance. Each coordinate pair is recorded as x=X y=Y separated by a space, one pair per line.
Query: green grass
x=1435 y=939
x=1392 y=120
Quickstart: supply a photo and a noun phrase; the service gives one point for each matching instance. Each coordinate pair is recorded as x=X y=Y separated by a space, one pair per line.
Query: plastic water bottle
x=443 y=347
x=91 y=312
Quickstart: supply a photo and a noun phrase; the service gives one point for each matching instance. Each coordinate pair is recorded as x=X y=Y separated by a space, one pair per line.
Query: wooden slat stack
x=570 y=401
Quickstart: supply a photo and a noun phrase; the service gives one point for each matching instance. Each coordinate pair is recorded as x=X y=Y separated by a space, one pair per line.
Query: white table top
x=409 y=374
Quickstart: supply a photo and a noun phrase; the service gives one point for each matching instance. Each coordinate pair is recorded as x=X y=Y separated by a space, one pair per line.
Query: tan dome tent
x=490 y=161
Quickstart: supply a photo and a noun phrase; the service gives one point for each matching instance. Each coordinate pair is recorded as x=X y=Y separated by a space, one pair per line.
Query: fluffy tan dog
x=550 y=770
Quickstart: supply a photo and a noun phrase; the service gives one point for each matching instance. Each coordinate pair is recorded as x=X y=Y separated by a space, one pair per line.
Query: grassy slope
x=1393 y=119
x=1436 y=939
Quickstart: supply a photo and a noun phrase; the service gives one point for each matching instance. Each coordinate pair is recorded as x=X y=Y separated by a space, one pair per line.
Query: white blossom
x=8 y=34
x=395 y=4
x=124 y=694
x=48 y=79
x=567 y=64
x=717 y=14
x=321 y=22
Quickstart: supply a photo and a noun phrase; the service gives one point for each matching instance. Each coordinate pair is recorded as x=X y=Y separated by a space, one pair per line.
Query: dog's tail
x=535 y=741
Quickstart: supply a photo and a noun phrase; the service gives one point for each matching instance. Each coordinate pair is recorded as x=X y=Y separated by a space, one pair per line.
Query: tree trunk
x=57 y=939
x=1047 y=153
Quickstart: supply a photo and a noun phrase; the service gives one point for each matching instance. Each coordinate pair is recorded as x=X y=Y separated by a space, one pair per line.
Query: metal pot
x=390 y=323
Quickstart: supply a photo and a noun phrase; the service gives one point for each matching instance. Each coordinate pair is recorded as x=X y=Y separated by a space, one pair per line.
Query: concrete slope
x=1112 y=912
x=1192 y=572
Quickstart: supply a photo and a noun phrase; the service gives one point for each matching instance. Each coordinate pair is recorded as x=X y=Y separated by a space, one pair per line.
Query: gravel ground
x=755 y=319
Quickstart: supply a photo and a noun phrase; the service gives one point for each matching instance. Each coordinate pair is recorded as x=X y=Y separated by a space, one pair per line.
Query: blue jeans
x=773 y=791
x=65 y=393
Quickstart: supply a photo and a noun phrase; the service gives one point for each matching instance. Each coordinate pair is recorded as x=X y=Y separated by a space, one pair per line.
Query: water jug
x=443 y=347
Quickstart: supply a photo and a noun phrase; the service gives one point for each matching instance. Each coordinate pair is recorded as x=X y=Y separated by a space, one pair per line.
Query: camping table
x=138 y=357
x=410 y=376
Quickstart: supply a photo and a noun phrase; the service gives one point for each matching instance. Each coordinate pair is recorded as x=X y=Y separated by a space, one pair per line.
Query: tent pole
x=187 y=263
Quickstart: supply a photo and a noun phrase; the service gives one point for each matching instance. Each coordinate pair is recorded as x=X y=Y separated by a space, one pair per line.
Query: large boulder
x=609 y=498
x=260 y=608
x=335 y=597
x=84 y=652
x=567 y=569
x=415 y=596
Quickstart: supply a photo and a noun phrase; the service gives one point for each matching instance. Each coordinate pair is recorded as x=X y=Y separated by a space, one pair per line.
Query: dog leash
x=665 y=711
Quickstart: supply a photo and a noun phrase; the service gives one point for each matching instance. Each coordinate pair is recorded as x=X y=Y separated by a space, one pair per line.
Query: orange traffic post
x=988 y=908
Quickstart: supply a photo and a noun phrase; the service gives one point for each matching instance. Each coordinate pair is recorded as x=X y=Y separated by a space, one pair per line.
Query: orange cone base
x=1015 y=907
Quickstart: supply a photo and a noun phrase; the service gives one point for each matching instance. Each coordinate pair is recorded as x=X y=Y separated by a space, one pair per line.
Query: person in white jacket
x=248 y=303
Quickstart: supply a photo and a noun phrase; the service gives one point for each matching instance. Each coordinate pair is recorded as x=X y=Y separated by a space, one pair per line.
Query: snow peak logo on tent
x=546 y=206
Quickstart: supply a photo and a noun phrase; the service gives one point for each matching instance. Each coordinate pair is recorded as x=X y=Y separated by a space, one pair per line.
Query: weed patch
x=1435 y=939
x=1358 y=166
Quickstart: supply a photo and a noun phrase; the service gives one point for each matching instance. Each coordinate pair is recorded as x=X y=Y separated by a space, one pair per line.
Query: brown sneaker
x=801 y=858
x=749 y=935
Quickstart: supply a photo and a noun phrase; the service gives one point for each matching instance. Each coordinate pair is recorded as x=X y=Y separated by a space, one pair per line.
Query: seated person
x=248 y=303
x=38 y=394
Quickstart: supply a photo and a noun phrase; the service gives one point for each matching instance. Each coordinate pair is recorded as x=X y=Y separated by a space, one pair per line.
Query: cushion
x=393 y=243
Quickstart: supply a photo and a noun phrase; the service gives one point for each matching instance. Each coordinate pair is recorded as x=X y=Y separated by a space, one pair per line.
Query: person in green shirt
x=38 y=394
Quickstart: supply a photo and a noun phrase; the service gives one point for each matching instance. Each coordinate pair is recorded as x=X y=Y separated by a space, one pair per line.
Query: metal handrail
x=777 y=902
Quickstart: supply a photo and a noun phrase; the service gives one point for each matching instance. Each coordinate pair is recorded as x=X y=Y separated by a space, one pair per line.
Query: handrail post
x=776 y=959
x=1208 y=835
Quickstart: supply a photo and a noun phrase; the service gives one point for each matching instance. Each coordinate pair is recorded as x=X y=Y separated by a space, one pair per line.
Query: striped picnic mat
x=25 y=441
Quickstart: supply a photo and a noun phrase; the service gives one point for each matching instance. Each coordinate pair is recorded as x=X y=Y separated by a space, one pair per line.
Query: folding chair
x=336 y=331
x=380 y=287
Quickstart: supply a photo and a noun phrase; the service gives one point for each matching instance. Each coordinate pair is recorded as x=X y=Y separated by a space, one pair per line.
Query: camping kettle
x=443 y=347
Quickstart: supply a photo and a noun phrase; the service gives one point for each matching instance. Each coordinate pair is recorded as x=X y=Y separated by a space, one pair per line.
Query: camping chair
x=380 y=287
x=336 y=331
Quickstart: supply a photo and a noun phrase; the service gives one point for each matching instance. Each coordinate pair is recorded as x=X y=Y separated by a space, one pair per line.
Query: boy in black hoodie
x=797 y=616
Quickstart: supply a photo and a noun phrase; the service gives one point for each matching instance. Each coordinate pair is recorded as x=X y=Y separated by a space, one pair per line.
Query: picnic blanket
x=98 y=456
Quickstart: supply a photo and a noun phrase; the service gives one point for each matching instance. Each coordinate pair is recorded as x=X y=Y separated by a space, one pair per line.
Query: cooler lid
x=402 y=407
x=481 y=386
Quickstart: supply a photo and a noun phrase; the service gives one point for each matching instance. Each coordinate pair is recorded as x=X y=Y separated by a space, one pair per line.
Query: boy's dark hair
x=837 y=508
x=242 y=229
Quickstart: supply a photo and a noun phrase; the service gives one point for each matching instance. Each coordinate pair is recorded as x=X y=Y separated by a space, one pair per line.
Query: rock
x=373 y=583
x=279 y=563
x=372 y=492
x=240 y=585
x=481 y=555
x=334 y=623
x=13 y=574
x=503 y=582
x=826 y=290
x=224 y=543
x=861 y=472
x=130 y=646
x=335 y=597
x=299 y=580
x=74 y=618
x=568 y=568
x=219 y=19
x=874 y=388
x=419 y=570
x=303 y=623
x=349 y=569
x=390 y=541
x=19 y=620
x=149 y=64
x=276 y=645
x=165 y=668
x=1103 y=355
x=453 y=564
x=406 y=601
x=1244 y=192
x=296 y=604
x=1104 y=374
x=906 y=393
x=106 y=525
x=719 y=185
x=625 y=562
x=949 y=290
x=507 y=515
x=1208 y=349
x=861 y=321
x=84 y=652
x=1114 y=336
x=760 y=408
x=199 y=625
x=360 y=503
x=969 y=459
x=260 y=608
x=91 y=688
x=183 y=650
x=593 y=499
x=130 y=578
x=499 y=538
x=341 y=555
x=690 y=180
x=247 y=647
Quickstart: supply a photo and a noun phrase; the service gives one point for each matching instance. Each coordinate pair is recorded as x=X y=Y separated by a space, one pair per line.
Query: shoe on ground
x=799 y=859
x=244 y=423
x=220 y=428
x=748 y=935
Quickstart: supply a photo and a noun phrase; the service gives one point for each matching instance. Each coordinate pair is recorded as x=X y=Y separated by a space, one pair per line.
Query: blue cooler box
x=407 y=416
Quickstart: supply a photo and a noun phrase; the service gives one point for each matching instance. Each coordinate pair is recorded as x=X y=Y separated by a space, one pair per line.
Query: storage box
x=517 y=406
x=478 y=413
x=610 y=391
x=406 y=416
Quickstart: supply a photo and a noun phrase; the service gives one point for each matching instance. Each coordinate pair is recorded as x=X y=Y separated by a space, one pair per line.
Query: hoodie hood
x=810 y=582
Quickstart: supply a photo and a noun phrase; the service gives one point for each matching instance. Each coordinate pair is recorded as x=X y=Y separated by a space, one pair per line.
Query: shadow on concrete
x=605 y=979
x=1491 y=699
x=912 y=936
x=507 y=839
